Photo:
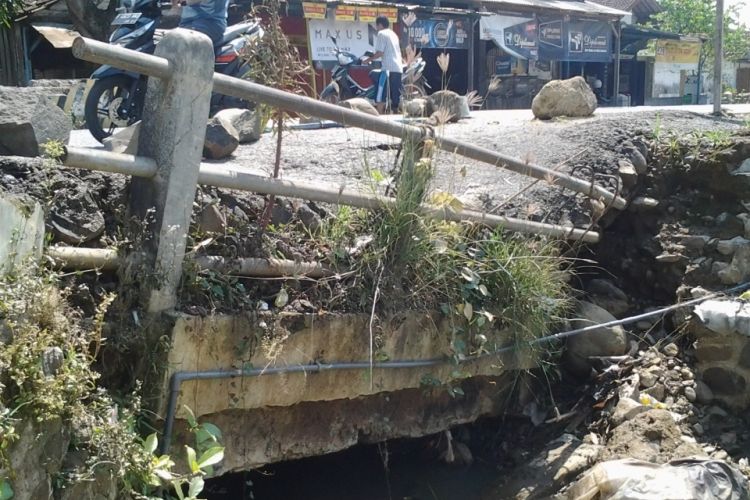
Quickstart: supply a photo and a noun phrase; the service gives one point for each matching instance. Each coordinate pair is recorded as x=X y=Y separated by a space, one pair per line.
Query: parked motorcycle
x=343 y=86
x=116 y=99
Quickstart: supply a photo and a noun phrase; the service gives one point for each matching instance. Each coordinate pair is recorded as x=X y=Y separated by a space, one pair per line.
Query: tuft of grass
x=495 y=289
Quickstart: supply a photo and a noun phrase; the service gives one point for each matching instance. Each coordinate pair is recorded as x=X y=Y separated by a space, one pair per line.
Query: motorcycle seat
x=236 y=30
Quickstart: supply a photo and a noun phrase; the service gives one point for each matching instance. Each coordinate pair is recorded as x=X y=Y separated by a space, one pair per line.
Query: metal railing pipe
x=106 y=161
x=120 y=57
x=232 y=179
x=277 y=98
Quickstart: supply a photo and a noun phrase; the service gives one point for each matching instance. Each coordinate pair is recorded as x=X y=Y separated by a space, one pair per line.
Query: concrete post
x=718 y=55
x=172 y=133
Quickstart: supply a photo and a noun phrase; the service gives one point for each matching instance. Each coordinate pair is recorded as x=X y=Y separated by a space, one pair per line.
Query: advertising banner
x=676 y=51
x=580 y=41
x=314 y=10
x=354 y=37
x=390 y=12
x=515 y=35
x=426 y=32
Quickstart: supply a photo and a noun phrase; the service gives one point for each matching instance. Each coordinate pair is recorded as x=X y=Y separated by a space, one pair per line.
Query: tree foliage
x=8 y=10
x=698 y=17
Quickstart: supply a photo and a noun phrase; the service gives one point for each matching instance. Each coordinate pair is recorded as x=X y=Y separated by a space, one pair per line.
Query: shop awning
x=61 y=37
x=572 y=7
x=636 y=38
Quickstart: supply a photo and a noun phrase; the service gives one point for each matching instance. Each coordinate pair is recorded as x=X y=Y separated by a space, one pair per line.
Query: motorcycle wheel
x=106 y=109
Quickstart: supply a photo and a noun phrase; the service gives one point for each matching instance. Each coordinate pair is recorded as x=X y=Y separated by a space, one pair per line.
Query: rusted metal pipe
x=108 y=260
x=232 y=179
x=84 y=258
x=103 y=53
x=106 y=161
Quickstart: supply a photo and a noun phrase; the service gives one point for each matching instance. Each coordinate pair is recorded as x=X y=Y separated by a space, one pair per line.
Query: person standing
x=206 y=16
x=388 y=49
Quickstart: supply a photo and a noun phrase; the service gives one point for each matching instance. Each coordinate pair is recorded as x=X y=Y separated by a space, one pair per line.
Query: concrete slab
x=21 y=232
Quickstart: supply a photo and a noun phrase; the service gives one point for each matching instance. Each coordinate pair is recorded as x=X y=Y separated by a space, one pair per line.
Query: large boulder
x=604 y=341
x=221 y=139
x=572 y=98
x=359 y=104
x=247 y=123
x=28 y=119
x=448 y=102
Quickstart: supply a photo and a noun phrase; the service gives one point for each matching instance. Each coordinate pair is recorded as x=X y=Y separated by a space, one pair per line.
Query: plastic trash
x=688 y=479
x=725 y=316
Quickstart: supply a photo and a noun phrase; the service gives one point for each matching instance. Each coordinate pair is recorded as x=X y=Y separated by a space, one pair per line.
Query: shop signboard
x=426 y=32
x=390 y=12
x=677 y=52
x=580 y=41
x=345 y=13
x=354 y=37
x=515 y=35
x=314 y=10
x=367 y=14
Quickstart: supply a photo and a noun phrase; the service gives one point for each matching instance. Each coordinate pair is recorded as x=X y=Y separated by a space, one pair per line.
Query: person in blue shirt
x=206 y=16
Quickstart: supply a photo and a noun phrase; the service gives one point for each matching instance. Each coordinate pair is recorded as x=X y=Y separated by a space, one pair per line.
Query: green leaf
x=211 y=456
x=483 y=290
x=196 y=486
x=192 y=462
x=468 y=310
x=211 y=428
x=150 y=444
x=163 y=474
x=480 y=321
x=178 y=489
x=282 y=298
x=6 y=492
x=190 y=416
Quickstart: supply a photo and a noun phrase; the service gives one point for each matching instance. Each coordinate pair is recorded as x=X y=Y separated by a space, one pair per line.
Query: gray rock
x=638 y=160
x=643 y=204
x=627 y=409
x=125 y=140
x=416 y=108
x=361 y=105
x=648 y=379
x=52 y=360
x=671 y=350
x=78 y=219
x=728 y=226
x=739 y=269
x=627 y=173
x=221 y=139
x=212 y=220
x=247 y=123
x=572 y=98
x=28 y=119
x=690 y=394
x=445 y=101
x=607 y=296
x=695 y=242
x=658 y=391
x=610 y=341
x=309 y=218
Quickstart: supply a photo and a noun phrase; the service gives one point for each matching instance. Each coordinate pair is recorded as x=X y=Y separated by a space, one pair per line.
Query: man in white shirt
x=388 y=49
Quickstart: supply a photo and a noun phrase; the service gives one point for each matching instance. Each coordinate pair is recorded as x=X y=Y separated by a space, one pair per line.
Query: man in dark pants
x=388 y=49
x=206 y=16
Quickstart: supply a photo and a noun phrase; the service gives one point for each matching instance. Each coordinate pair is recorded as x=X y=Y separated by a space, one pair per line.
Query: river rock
x=28 y=119
x=445 y=101
x=415 y=108
x=606 y=295
x=605 y=341
x=628 y=174
x=221 y=139
x=361 y=105
x=76 y=219
x=52 y=360
x=247 y=123
x=572 y=97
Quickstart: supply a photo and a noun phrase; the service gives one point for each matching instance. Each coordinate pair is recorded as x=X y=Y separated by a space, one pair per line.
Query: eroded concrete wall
x=271 y=418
